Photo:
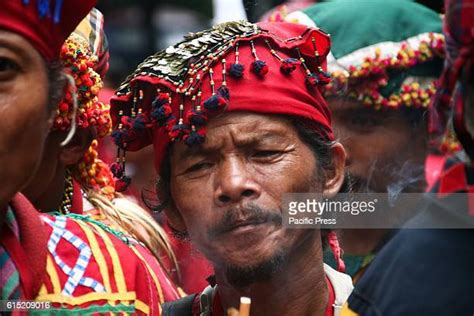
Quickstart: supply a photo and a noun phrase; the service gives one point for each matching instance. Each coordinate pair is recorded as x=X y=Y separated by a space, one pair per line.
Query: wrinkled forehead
x=239 y=130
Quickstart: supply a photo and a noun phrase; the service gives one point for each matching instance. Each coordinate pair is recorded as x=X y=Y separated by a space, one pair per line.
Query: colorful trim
x=90 y=310
x=53 y=276
x=117 y=266
x=386 y=50
x=364 y=80
x=153 y=275
x=89 y=219
x=76 y=273
x=9 y=276
x=98 y=255
x=89 y=297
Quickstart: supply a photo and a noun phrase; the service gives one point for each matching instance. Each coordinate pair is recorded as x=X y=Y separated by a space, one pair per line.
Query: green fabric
x=357 y=24
x=431 y=68
x=353 y=263
x=12 y=283
x=93 y=309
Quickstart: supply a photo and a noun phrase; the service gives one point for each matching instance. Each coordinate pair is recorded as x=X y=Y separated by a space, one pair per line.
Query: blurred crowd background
x=138 y=28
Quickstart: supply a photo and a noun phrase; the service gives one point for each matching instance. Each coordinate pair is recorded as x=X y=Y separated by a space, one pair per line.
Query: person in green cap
x=384 y=59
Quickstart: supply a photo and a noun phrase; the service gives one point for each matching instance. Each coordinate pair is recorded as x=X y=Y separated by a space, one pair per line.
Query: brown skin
x=378 y=144
x=46 y=188
x=252 y=160
x=23 y=109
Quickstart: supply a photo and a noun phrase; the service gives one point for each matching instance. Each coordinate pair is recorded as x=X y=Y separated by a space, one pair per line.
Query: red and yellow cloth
x=81 y=267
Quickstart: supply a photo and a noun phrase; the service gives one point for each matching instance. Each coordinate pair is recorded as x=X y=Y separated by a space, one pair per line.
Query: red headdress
x=44 y=23
x=269 y=68
x=459 y=68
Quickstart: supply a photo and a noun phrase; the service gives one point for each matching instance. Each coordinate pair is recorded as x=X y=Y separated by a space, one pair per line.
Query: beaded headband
x=78 y=59
x=365 y=81
x=172 y=94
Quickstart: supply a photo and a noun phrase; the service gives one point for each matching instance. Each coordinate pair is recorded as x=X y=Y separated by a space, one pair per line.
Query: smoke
x=407 y=178
x=404 y=177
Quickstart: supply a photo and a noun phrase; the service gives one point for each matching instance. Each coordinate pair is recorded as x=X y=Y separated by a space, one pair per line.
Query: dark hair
x=312 y=135
x=416 y=117
x=56 y=84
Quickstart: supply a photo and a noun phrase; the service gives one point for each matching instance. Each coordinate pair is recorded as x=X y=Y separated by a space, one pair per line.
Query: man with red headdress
x=237 y=120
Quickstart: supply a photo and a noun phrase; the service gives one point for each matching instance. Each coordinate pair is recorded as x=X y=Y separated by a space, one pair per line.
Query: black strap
x=181 y=307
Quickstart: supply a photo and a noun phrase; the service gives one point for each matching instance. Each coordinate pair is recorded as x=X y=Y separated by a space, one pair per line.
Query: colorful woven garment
x=9 y=278
x=91 y=269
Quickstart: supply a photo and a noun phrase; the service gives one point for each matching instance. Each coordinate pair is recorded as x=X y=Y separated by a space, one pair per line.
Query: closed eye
x=199 y=166
x=267 y=153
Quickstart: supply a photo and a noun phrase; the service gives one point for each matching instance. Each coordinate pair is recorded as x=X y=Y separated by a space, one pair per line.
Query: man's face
x=23 y=111
x=385 y=153
x=228 y=192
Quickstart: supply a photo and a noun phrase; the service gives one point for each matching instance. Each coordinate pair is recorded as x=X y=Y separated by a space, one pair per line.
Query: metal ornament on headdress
x=188 y=67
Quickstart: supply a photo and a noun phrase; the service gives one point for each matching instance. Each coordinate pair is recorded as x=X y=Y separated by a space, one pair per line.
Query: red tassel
x=260 y=67
x=122 y=184
x=178 y=131
x=324 y=78
x=215 y=103
x=195 y=137
x=289 y=65
x=117 y=169
x=195 y=117
x=126 y=122
x=171 y=123
x=337 y=251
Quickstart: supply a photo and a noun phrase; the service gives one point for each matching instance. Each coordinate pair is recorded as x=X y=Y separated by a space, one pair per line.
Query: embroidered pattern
x=75 y=273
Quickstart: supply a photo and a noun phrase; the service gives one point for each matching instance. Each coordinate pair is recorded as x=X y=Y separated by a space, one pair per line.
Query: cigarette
x=245 y=306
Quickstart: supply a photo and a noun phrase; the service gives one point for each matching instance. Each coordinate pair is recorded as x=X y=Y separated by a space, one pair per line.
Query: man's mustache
x=250 y=214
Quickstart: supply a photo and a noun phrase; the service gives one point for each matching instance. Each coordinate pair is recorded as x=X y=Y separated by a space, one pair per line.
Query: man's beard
x=244 y=276
x=241 y=277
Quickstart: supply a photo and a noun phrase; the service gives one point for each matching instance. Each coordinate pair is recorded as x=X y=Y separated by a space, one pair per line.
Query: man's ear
x=335 y=176
x=73 y=152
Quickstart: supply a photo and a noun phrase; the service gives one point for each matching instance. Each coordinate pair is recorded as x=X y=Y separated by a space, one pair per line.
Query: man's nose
x=235 y=182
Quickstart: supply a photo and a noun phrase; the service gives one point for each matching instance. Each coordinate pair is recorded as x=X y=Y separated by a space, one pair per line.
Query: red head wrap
x=458 y=70
x=270 y=68
x=44 y=23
